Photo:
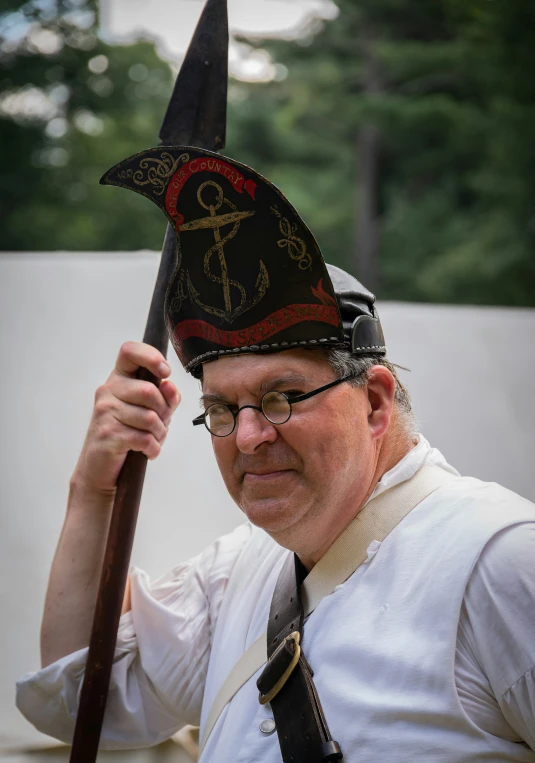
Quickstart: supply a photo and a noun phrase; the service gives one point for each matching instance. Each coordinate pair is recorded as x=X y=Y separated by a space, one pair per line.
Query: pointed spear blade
x=197 y=111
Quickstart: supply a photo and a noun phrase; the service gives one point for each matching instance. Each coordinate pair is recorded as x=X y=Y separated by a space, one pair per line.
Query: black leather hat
x=250 y=276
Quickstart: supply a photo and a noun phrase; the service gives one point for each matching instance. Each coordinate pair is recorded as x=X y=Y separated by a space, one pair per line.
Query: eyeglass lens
x=276 y=407
x=220 y=420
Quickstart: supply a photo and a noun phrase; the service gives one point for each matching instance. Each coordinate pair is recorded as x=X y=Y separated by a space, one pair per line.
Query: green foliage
x=448 y=84
x=70 y=107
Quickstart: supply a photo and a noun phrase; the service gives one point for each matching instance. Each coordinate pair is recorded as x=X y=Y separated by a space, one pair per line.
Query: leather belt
x=287 y=679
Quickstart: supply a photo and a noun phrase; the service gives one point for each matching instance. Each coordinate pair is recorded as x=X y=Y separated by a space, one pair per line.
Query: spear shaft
x=196 y=115
x=118 y=550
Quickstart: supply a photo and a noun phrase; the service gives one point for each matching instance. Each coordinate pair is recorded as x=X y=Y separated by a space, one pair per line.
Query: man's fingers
x=115 y=438
x=170 y=394
x=142 y=419
x=129 y=414
x=134 y=355
x=120 y=389
x=143 y=442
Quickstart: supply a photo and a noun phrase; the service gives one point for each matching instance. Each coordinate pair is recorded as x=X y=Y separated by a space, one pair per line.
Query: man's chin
x=273 y=514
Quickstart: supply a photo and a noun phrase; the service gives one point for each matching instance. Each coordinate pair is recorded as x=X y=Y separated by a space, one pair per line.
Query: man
x=427 y=651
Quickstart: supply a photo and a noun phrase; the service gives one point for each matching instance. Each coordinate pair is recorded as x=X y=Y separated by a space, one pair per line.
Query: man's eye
x=292 y=392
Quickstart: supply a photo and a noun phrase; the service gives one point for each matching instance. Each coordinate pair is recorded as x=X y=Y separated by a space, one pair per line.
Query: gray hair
x=344 y=363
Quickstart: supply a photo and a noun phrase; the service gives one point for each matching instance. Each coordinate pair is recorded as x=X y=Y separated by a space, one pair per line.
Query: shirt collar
x=421 y=454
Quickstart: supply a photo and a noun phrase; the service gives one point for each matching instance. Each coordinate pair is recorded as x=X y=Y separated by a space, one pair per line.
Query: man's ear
x=381 y=389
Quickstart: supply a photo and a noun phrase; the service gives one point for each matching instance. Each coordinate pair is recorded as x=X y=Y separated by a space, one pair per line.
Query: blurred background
x=402 y=130
x=412 y=122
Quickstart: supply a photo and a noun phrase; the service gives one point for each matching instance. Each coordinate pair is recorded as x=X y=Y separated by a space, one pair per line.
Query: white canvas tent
x=63 y=318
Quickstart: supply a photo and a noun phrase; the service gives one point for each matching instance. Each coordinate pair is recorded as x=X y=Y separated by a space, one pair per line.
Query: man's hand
x=129 y=414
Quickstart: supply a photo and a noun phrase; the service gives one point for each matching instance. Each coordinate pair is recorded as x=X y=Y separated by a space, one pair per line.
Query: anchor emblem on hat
x=216 y=222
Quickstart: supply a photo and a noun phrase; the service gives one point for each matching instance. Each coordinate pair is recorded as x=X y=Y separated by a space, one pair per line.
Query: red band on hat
x=267 y=327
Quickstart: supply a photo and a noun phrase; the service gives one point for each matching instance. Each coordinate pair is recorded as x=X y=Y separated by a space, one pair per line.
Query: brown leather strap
x=287 y=680
x=374 y=522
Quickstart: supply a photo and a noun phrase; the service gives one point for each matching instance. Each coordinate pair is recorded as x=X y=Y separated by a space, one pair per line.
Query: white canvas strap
x=374 y=522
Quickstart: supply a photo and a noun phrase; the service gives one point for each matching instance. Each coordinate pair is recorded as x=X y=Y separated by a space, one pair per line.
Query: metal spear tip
x=197 y=111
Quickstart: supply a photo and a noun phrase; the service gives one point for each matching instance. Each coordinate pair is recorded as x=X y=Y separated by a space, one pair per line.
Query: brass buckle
x=295 y=637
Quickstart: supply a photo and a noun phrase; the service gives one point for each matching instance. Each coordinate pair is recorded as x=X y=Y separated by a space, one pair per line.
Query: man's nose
x=253 y=430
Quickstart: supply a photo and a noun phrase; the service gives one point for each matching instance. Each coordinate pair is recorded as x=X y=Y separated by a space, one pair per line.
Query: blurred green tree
x=70 y=107
x=402 y=133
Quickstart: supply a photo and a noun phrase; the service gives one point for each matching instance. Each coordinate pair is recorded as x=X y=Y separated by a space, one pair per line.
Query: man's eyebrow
x=210 y=398
x=289 y=378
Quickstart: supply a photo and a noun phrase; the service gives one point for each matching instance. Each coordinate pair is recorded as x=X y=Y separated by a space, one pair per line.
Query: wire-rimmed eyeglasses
x=220 y=420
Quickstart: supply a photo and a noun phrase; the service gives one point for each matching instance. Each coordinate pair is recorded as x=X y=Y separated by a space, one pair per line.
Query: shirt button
x=267 y=726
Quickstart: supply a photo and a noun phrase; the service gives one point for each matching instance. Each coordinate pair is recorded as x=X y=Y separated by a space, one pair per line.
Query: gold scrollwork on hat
x=297 y=248
x=155 y=172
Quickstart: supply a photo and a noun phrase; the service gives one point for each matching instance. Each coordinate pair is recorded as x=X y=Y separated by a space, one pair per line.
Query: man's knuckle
x=100 y=393
x=105 y=431
x=102 y=406
x=145 y=439
x=152 y=419
x=146 y=392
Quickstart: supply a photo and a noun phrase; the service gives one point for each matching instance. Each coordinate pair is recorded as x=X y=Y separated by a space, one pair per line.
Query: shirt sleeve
x=499 y=624
x=161 y=657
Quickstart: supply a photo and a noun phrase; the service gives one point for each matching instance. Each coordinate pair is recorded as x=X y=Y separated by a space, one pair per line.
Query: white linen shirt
x=166 y=673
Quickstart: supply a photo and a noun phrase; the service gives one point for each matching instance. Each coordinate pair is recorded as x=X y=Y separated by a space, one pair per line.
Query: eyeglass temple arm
x=299 y=398
x=198 y=420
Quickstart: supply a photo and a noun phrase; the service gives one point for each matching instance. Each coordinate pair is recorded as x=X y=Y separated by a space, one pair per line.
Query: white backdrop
x=63 y=317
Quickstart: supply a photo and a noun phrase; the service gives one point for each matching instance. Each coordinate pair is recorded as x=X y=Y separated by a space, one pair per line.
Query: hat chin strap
x=367 y=336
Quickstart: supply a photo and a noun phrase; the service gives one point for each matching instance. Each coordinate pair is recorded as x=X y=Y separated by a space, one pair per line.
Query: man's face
x=301 y=481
